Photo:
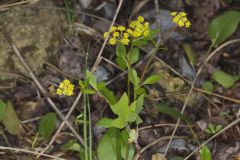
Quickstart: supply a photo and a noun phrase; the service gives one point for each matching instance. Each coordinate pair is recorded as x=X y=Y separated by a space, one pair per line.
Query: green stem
x=85 y=126
x=90 y=130
x=34 y=142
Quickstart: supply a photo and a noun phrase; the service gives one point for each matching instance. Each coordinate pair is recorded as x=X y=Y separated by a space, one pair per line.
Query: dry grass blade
x=193 y=83
x=7 y=6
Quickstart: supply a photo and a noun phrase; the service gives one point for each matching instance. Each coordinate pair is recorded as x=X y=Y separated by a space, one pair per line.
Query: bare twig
x=29 y=152
x=98 y=60
x=193 y=83
x=214 y=136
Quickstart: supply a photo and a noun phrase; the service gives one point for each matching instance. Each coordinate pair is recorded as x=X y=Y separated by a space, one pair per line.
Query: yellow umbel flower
x=65 y=88
x=121 y=28
x=181 y=19
x=112 y=41
x=139 y=28
x=120 y=34
x=124 y=41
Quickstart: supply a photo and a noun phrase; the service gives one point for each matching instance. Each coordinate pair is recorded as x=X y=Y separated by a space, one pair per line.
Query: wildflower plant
x=124 y=127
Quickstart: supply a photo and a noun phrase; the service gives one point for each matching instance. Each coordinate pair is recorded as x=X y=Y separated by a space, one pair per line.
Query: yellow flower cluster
x=122 y=35
x=65 y=88
x=139 y=28
x=180 y=18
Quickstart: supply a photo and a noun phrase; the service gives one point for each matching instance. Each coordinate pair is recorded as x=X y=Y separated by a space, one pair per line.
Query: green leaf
x=153 y=33
x=140 y=42
x=223 y=26
x=105 y=122
x=208 y=86
x=121 y=51
x=163 y=108
x=152 y=79
x=11 y=120
x=134 y=55
x=92 y=79
x=72 y=145
x=125 y=113
x=134 y=77
x=47 y=125
x=139 y=90
x=190 y=54
x=139 y=105
x=3 y=107
x=108 y=95
x=124 y=143
x=205 y=153
x=107 y=147
x=121 y=56
x=88 y=91
x=224 y=79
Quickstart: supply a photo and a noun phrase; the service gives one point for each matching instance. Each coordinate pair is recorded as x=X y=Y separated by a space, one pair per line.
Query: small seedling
x=211 y=129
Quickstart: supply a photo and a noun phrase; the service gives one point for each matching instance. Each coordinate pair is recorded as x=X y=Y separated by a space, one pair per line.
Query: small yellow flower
x=112 y=29
x=146 y=33
x=140 y=19
x=173 y=13
x=125 y=35
x=181 y=19
x=105 y=35
x=136 y=33
x=121 y=28
x=65 y=88
x=129 y=31
x=188 y=24
x=115 y=34
x=124 y=41
x=112 y=41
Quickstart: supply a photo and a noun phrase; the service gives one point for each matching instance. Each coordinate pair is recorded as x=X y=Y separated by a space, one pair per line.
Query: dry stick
x=44 y=92
x=29 y=152
x=155 y=142
x=214 y=136
x=192 y=86
x=98 y=60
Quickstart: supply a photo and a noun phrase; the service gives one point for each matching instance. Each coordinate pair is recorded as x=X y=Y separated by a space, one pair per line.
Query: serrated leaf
x=3 y=107
x=152 y=79
x=207 y=86
x=47 y=124
x=223 y=26
x=92 y=79
x=105 y=122
x=205 y=153
x=163 y=108
x=133 y=55
x=224 y=79
x=11 y=120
